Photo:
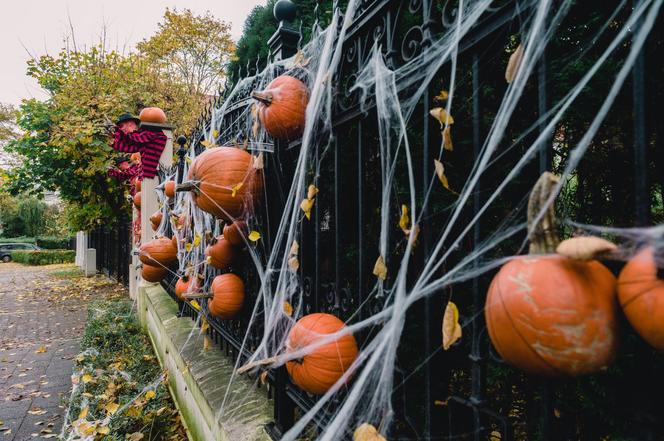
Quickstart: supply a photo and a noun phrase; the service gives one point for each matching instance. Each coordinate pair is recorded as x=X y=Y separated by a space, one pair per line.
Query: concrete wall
x=199 y=379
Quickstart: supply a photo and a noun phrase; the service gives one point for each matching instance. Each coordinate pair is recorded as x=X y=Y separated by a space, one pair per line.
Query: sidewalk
x=42 y=317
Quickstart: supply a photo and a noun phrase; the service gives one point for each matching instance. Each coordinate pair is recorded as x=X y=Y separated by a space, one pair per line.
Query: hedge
x=44 y=257
x=46 y=242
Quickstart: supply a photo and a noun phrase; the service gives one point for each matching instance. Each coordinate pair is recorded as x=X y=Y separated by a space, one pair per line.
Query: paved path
x=42 y=317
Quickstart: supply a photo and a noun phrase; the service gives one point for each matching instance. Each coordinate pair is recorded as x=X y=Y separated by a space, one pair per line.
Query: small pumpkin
x=320 y=369
x=185 y=284
x=153 y=273
x=227 y=296
x=223 y=182
x=169 y=189
x=137 y=184
x=152 y=115
x=137 y=200
x=155 y=219
x=548 y=314
x=158 y=251
x=282 y=106
x=641 y=296
x=221 y=253
x=235 y=232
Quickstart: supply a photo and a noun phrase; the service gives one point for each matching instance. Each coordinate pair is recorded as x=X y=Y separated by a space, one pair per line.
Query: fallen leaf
x=104 y=430
x=86 y=378
x=83 y=413
x=440 y=171
x=404 y=221
x=367 y=432
x=442 y=116
x=197 y=239
x=150 y=394
x=136 y=436
x=306 y=206
x=194 y=304
x=442 y=95
x=215 y=133
x=288 y=309
x=513 y=64
x=451 y=326
x=495 y=436
x=254 y=236
x=258 y=161
x=111 y=408
x=205 y=143
x=312 y=191
x=40 y=350
x=188 y=246
x=263 y=377
x=380 y=270
x=447 y=139
x=204 y=325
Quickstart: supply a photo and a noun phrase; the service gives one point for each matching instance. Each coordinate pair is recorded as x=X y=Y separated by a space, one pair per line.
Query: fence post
x=283 y=43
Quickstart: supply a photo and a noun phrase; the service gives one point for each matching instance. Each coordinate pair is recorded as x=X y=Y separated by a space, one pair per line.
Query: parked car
x=7 y=248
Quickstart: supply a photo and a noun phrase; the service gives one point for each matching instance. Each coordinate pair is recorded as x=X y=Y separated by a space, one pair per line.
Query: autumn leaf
x=206 y=344
x=111 y=408
x=442 y=116
x=188 y=160
x=380 y=270
x=204 y=325
x=263 y=377
x=495 y=436
x=83 y=413
x=312 y=191
x=104 y=430
x=367 y=432
x=136 y=436
x=404 y=221
x=150 y=394
x=258 y=161
x=194 y=304
x=447 y=139
x=440 y=172
x=288 y=309
x=189 y=246
x=513 y=64
x=451 y=326
x=205 y=143
x=236 y=188
x=306 y=206
x=293 y=262
x=254 y=236
x=442 y=96
x=86 y=378
x=40 y=350
x=215 y=133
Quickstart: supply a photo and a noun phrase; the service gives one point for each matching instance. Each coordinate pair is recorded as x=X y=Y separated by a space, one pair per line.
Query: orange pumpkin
x=155 y=219
x=641 y=295
x=282 y=106
x=185 y=284
x=548 y=314
x=321 y=368
x=152 y=115
x=227 y=296
x=137 y=184
x=169 y=189
x=137 y=200
x=174 y=240
x=152 y=273
x=235 y=232
x=158 y=251
x=221 y=253
x=223 y=182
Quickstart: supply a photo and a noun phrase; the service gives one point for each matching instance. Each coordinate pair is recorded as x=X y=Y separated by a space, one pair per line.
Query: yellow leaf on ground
x=447 y=139
x=136 y=436
x=236 y=188
x=380 y=270
x=442 y=116
x=206 y=343
x=254 y=236
x=104 y=430
x=83 y=413
x=451 y=326
x=40 y=350
x=312 y=191
x=288 y=309
x=150 y=394
x=404 y=221
x=111 y=408
x=259 y=161
x=306 y=206
x=86 y=378
x=367 y=432
x=513 y=64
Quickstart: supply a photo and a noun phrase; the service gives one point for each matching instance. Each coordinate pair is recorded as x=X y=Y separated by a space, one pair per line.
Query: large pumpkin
x=137 y=200
x=152 y=273
x=158 y=251
x=227 y=296
x=224 y=182
x=185 y=284
x=322 y=367
x=641 y=295
x=169 y=189
x=152 y=115
x=235 y=232
x=221 y=253
x=155 y=219
x=282 y=106
x=548 y=314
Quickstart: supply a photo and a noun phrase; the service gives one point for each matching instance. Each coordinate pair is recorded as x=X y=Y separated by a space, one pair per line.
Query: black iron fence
x=467 y=392
x=113 y=250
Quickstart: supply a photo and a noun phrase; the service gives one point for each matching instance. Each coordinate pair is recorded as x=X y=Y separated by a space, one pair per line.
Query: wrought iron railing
x=113 y=250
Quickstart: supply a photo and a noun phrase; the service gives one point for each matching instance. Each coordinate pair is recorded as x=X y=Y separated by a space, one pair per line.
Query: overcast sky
x=38 y=26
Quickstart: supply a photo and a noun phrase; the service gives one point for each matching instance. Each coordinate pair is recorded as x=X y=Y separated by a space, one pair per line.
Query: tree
x=8 y=132
x=193 y=48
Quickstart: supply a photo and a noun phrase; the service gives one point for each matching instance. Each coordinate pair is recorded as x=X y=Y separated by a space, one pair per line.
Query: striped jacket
x=149 y=144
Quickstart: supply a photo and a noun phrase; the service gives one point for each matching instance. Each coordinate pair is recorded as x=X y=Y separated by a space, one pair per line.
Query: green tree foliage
x=193 y=48
x=29 y=216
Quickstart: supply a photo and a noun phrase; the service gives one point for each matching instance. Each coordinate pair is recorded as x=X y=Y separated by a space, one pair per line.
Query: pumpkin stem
x=263 y=97
x=187 y=186
x=197 y=295
x=254 y=364
x=543 y=237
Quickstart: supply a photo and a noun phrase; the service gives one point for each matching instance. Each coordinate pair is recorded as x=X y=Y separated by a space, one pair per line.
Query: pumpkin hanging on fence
x=641 y=296
x=220 y=253
x=169 y=189
x=152 y=115
x=321 y=368
x=155 y=219
x=282 y=106
x=224 y=182
x=185 y=284
x=235 y=232
x=137 y=184
x=227 y=296
x=548 y=314
x=158 y=251
x=137 y=200
x=153 y=273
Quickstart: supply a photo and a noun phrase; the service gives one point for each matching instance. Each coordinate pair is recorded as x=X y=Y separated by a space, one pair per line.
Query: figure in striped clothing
x=130 y=138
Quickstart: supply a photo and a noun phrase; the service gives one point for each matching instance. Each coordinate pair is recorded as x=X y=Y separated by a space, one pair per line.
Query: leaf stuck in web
x=236 y=188
x=440 y=172
x=380 y=270
x=288 y=309
x=254 y=236
x=451 y=326
x=513 y=64
x=442 y=116
x=258 y=161
x=367 y=432
x=447 y=139
x=404 y=220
